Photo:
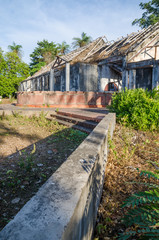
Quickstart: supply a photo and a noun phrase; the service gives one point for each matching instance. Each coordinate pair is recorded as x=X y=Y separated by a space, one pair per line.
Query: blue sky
x=28 y=21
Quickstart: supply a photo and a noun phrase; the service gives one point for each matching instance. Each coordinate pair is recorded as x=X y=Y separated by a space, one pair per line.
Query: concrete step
x=72 y=125
x=81 y=116
x=76 y=121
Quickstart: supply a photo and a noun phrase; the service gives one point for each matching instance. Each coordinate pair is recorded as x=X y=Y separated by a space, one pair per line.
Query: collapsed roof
x=99 y=49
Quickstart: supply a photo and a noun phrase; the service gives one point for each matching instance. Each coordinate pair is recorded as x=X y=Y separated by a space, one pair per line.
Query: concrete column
x=155 y=75
x=52 y=80
x=26 y=86
x=67 y=76
x=124 y=74
x=31 y=85
x=43 y=83
x=132 y=79
x=38 y=84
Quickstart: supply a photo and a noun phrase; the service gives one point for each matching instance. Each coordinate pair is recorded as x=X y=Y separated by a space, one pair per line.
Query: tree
x=12 y=71
x=16 y=49
x=63 y=48
x=150 y=16
x=80 y=42
x=43 y=54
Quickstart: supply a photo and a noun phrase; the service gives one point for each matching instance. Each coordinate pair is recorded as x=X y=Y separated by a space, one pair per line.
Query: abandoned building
x=100 y=68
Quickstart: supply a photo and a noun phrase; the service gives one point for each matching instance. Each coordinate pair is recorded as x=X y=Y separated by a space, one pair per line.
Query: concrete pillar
x=67 y=76
x=155 y=75
x=31 y=85
x=38 y=84
x=132 y=79
x=26 y=86
x=124 y=74
x=43 y=83
x=52 y=80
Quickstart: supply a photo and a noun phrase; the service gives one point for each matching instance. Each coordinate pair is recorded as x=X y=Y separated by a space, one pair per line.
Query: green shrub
x=138 y=108
x=142 y=216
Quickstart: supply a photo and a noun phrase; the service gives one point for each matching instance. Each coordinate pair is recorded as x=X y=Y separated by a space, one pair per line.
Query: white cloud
x=27 y=22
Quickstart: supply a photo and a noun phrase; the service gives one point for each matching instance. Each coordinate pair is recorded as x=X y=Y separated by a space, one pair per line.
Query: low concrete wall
x=65 y=207
x=63 y=99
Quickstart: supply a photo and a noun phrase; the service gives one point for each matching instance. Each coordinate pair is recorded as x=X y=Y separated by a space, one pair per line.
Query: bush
x=138 y=108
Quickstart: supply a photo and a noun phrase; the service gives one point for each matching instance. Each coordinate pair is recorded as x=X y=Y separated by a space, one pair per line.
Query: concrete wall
x=144 y=78
x=65 y=207
x=63 y=99
x=88 y=77
x=74 y=77
x=83 y=77
x=107 y=75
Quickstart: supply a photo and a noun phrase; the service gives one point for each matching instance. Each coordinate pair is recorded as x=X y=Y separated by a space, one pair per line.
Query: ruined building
x=102 y=66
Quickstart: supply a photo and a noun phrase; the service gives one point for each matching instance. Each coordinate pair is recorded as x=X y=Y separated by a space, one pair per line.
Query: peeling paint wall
x=74 y=77
x=88 y=77
x=107 y=75
x=83 y=77
x=144 y=78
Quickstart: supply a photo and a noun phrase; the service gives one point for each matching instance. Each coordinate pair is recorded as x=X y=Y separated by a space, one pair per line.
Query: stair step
x=72 y=125
x=75 y=115
x=81 y=122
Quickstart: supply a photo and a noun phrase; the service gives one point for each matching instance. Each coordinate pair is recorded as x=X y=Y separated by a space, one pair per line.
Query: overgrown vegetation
x=142 y=216
x=129 y=150
x=138 y=108
x=135 y=145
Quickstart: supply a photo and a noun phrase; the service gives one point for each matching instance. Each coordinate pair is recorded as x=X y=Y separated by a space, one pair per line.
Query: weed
x=16 y=114
x=26 y=161
x=101 y=228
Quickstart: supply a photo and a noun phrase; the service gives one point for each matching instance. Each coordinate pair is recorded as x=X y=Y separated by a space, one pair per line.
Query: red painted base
x=63 y=99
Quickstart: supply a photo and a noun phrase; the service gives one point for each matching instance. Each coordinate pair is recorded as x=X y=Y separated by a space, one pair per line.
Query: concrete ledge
x=27 y=113
x=65 y=207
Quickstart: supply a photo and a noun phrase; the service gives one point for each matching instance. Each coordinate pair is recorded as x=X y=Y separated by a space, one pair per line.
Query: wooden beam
x=141 y=64
x=113 y=59
x=147 y=43
x=116 y=68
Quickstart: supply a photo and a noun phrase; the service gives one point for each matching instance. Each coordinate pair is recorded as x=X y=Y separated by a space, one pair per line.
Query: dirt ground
x=31 y=149
x=129 y=150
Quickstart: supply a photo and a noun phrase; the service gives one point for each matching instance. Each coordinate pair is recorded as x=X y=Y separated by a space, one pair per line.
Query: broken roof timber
x=145 y=46
x=141 y=64
x=103 y=52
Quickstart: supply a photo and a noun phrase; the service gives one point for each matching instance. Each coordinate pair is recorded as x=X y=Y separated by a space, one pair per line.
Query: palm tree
x=80 y=42
x=16 y=49
x=63 y=48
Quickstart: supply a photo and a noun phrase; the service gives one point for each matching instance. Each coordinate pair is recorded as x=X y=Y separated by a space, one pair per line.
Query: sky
x=28 y=21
